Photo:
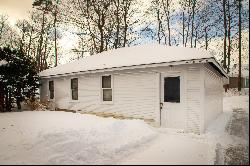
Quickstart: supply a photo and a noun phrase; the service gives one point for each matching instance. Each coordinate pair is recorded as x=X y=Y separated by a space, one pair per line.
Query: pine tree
x=18 y=77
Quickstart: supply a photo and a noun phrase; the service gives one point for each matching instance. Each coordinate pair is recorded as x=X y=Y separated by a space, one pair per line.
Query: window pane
x=51 y=94
x=51 y=85
x=51 y=89
x=74 y=83
x=107 y=94
x=74 y=94
x=172 y=89
x=106 y=81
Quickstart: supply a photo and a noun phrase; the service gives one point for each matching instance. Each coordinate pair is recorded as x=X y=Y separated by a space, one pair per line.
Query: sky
x=19 y=9
x=15 y=9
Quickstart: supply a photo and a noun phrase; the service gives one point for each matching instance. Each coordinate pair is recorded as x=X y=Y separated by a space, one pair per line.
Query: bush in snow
x=39 y=105
x=18 y=78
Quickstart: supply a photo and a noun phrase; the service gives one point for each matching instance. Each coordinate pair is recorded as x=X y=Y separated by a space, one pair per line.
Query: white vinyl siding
x=193 y=99
x=63 y=92
x=136 y=93
x=213 y=94
x=44 y=96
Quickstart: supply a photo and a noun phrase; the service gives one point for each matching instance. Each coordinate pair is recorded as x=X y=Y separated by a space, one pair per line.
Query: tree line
x=102 y=25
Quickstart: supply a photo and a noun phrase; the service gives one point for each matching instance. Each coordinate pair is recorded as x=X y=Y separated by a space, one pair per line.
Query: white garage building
x=174 y=87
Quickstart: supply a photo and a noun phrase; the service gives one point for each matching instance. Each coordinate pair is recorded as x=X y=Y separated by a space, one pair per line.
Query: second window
x=74 y=88
x=107 y=88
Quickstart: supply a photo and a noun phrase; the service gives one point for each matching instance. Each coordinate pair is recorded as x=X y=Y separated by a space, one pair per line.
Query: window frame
x=112 y=90
x=51 y=99
x=71 y=90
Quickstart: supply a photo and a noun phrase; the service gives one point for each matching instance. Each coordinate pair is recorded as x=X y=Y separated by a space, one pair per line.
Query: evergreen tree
x=18 y=77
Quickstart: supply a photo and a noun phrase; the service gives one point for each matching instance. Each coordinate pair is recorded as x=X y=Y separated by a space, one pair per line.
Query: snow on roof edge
x=124 y=57
x=128 y=67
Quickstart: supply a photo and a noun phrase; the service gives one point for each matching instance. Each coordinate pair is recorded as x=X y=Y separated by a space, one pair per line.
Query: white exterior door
x=172 y=113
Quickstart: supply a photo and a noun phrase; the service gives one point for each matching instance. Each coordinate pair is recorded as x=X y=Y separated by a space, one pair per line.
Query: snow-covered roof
x=129 y=56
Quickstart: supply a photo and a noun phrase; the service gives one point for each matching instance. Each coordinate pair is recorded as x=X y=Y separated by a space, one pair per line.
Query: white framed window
x=74 y=88
x=107 y=89
x=51 y=90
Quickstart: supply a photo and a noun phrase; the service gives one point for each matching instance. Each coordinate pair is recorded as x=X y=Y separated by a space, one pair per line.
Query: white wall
x=136 y=93
x=213 y=84
x=62 y=92
x=44 y=89
x=194 y=107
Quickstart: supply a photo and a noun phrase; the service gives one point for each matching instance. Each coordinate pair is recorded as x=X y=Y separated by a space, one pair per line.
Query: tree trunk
x=39 y=49
x=118 y=24
x=189 y=3
x=225 y=35
x=183 y=29
x=19 y=99
x=193 y=8
x=126 y=7
x=11 y=40
x=2 y=26
x=159 y=26
x=22 y=39
x=195 y=41
x=18 y=103
x=102 y=40
x=1 y=97
x=30 y=40
x=167 y=13
x=44 y=57
x=6 y=100
x=89 y=27
x=101 y=22
x=55 y=20
x=229 y=39
x=206 y=39
x=239 y=24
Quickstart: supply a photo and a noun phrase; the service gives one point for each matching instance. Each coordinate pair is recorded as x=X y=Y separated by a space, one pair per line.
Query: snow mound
x=50 y=137
x=236 y=102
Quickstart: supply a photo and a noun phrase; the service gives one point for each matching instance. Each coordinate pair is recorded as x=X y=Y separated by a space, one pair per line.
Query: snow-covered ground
x=175 y=147
x=49 y=137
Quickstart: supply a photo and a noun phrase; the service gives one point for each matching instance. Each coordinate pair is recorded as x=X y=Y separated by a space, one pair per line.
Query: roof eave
x=218 y=67
x=191 y=61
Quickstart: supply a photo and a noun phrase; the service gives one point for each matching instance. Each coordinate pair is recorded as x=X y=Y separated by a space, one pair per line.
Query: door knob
x=161 y=105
